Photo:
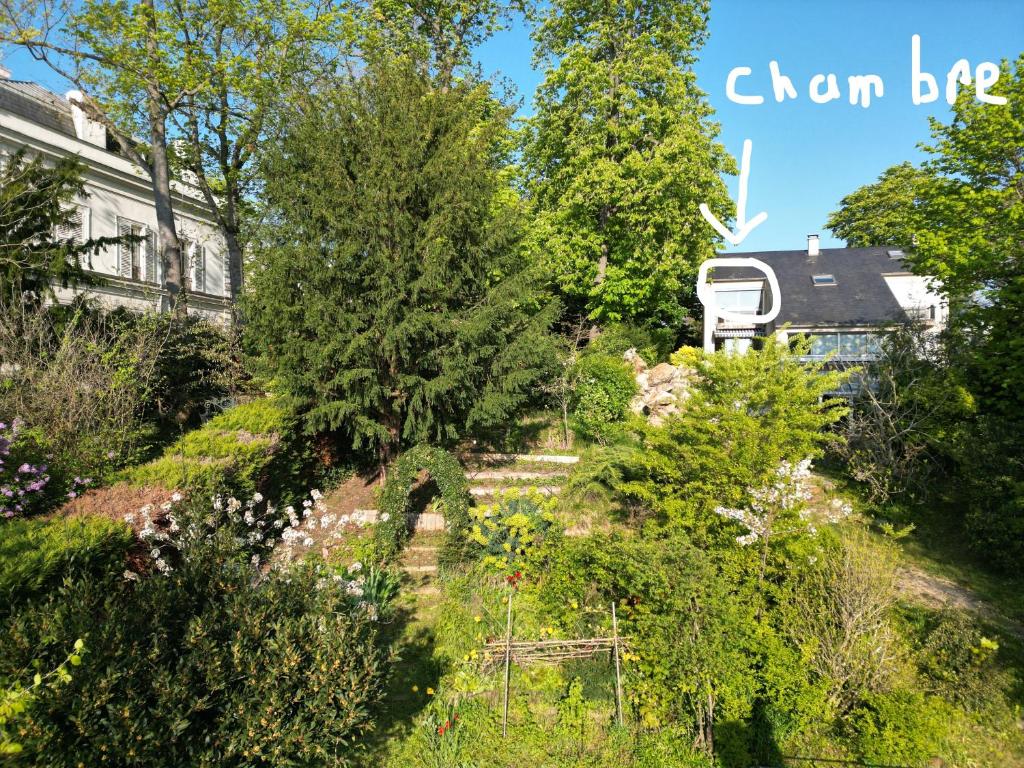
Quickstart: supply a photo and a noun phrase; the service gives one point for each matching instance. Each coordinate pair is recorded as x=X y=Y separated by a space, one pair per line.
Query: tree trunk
x=234 y=276
x=602 y=267
x=160 y=172
x=167 y=235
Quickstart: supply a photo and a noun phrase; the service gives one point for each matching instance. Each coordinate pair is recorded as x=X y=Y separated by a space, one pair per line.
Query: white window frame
x=149 y=241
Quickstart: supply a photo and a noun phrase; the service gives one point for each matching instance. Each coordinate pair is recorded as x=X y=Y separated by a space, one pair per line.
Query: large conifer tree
x=390 y=292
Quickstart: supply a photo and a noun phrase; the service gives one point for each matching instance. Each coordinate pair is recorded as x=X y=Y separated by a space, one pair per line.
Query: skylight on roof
x=823 y=279
x=895 y=254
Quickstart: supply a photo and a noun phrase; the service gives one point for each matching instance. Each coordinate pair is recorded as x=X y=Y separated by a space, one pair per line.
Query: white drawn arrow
x=743 y=227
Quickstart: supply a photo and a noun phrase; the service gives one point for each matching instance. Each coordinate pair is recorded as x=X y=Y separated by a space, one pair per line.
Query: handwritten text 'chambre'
x=823 y=88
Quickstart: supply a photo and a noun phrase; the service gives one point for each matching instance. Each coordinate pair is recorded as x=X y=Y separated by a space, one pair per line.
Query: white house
x=842 y=298
x=119 y=201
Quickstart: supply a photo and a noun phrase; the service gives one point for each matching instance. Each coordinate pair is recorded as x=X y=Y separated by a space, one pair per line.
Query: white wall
x=915 y=292
x=116 y=187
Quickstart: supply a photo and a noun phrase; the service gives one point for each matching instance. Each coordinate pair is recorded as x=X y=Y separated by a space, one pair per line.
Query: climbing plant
x=392 y=530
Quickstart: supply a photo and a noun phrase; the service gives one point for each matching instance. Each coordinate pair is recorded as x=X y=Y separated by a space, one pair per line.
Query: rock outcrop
x=662 y=389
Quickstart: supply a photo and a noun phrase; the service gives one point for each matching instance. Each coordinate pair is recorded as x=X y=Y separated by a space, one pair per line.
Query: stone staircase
x=491 y=473
x=488 y=474
x=419 y=561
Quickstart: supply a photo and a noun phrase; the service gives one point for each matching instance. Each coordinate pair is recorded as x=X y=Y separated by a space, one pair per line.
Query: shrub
x=24 y=479
x=838 y=613
x=232 y=454
x=654 y=345
x=693 y=678
x=747 y=417
x=37 y=555
x=211 y=664
x=959 y=660
x=509 y=530
x=392 y=528
x=902 y=727
x=78 y=385
x=604 y=387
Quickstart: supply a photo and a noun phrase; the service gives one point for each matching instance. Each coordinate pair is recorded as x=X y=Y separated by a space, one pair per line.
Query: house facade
x=843 y=299
x=118 y=201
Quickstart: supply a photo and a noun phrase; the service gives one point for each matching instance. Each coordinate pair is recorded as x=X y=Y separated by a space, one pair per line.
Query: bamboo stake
x=618 y=675
x=508 y=663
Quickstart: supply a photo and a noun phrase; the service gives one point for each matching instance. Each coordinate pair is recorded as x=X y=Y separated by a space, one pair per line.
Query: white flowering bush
x=209 y=657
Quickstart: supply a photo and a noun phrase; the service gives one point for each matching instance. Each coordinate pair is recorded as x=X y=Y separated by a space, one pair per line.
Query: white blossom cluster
x=352 y=585
x=263 y=529
x=787 y=494
x=314 y=516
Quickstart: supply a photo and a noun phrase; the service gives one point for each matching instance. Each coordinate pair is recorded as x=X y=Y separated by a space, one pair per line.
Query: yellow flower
x=430 y=691
x=476 y=619
x=415 y=688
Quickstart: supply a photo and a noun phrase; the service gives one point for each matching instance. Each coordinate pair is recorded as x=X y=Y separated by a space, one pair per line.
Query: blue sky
x=806 y=156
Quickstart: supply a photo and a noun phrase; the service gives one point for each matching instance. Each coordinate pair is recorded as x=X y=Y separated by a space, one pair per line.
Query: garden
x=457 y=487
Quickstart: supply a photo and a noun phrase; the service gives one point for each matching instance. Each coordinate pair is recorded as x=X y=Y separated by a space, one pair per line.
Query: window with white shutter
x=150 y=255
x=199 y=269
x=73 y=227
x=136 y=259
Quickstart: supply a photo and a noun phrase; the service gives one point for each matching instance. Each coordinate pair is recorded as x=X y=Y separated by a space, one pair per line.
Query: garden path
x=918 y=583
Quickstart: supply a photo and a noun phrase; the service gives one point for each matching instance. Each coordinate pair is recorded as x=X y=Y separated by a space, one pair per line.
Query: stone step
x=543 y=458
x=544 y=490
x=419 y=568
x=427 y=521
x=422 y=549
x=512 y=474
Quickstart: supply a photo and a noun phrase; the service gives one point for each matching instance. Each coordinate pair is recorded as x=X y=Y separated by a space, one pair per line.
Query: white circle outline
x=707 y=296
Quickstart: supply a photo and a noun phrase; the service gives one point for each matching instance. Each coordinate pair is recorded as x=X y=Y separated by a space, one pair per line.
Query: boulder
x=660 y=390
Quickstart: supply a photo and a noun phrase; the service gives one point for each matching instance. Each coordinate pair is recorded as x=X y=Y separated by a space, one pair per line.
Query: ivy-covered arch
x=392 y=531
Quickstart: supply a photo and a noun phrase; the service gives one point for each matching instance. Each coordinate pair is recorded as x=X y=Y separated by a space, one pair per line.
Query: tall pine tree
x=391 y=293
x=620 y=154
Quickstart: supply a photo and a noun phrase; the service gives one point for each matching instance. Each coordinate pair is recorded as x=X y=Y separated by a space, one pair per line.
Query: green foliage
x=619 y=153
x=15 y=700
x=510 y=529
x=231 y=453
x=195 y=370
x=212 y=664
x=965 y=206
x=654 y=345
x=881 y=213
x=693 y=677
x=37 y=555
x=746 y=415
x=392 y=527
x=387 y=198
x=36 y=197
x=902 y=727
x=604 y=386
x=78 y=382
x=960 y=660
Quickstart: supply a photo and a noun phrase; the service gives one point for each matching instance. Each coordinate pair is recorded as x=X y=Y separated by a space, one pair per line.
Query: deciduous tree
x=619 y=155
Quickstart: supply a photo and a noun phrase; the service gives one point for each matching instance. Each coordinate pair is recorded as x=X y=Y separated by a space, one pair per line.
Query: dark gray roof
x=859 y=297
x=35 y=103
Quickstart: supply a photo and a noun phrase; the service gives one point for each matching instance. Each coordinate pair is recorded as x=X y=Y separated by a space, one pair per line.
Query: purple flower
x=25 y=469
x=72 y=495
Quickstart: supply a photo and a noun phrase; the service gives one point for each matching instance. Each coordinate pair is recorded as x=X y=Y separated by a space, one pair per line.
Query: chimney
x=87 y=129
x=5 y=74
x=812 y=245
